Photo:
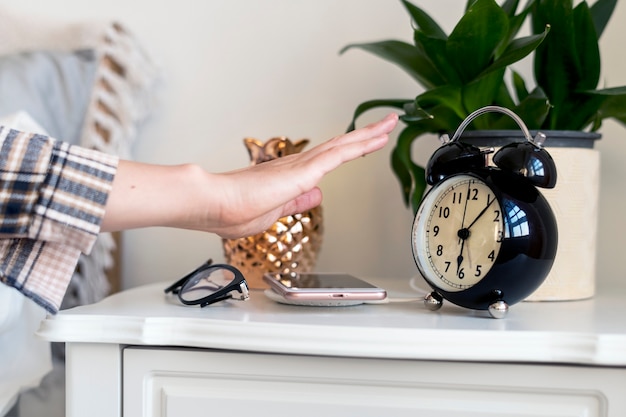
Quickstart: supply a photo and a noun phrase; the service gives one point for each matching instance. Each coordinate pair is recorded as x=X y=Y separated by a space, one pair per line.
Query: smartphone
x=323 y=287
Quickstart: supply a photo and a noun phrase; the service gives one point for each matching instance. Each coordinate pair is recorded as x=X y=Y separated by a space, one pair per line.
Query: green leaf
x=473 y=42
x=411 y=59
x=588 y=52
x=483 y=92
x=447 y=96
x=424 y=22
x=435 y=49
x=403 y=174
x=440 y=110
x=469 y=73
x=517 y=50
x=411 y=177
x=371 y=104
x=509 y=7
x=515 y=21
x=443 y=120
x=579 y=111
x=614 y=91
x=520 y=86
x=556 y=66
x=613 y=104
x=601 y=12
x=413 y=113
x=504 y=98
x=533 y=110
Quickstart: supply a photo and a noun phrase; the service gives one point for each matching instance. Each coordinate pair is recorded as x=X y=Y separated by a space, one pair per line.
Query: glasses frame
x=238 y=284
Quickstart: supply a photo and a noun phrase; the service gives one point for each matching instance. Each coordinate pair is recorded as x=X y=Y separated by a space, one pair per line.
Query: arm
x=237 y=203
x=53 y=204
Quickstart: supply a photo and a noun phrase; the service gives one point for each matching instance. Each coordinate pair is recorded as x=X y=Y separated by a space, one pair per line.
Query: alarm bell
x=452 y=157
x=529 y=160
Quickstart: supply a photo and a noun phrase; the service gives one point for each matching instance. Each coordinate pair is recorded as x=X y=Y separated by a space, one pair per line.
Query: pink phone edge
x=369 y=294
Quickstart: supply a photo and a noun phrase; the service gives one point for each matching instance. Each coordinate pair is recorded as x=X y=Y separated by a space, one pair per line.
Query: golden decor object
x=289 y=245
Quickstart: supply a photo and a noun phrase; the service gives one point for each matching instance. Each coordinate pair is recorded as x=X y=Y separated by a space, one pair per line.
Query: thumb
x=303 y=202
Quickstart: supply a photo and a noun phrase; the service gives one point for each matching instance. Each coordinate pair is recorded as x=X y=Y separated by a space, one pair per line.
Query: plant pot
x=574 y=201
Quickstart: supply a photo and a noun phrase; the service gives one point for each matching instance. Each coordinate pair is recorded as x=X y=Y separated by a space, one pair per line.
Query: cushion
x=53 y=87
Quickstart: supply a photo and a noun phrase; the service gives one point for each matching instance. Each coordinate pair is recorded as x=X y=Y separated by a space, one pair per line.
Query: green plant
x=468 y=68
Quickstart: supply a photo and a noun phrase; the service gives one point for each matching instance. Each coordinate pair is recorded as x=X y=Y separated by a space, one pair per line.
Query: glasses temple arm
x=174 y=288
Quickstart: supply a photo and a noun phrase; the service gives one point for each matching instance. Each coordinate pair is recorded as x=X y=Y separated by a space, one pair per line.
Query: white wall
x=258 y=68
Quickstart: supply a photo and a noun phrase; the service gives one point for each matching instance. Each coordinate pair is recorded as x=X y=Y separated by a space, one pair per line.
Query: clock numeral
x=435 y=230
x=439 y=250
x=500 y=236
x=496 y=217
x=478 y=271
x=475 y=195
x=461 y=273
x=444 y=212
x=448 y=263
x=491 y=256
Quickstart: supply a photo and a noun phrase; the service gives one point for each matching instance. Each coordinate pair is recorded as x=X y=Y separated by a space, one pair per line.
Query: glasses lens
x=205 y=283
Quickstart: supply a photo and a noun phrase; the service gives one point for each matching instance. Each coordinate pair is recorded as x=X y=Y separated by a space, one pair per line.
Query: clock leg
x=433 y=301
x=498 y=309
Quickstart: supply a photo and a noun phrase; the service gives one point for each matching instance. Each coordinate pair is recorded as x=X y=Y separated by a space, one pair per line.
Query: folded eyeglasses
x=210 y=283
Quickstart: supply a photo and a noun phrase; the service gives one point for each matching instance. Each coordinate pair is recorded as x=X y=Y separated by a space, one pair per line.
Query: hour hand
x=459 y=259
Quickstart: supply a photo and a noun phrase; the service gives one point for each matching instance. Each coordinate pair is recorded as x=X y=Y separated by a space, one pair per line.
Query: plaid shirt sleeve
x=52 y=201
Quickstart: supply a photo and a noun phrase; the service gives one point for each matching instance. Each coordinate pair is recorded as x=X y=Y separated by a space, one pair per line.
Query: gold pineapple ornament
x=289 y=245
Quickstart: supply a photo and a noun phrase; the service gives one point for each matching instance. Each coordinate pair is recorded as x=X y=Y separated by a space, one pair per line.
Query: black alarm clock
x=484 y=237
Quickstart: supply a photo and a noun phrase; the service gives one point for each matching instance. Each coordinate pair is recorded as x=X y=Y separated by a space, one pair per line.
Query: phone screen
x=321 y=281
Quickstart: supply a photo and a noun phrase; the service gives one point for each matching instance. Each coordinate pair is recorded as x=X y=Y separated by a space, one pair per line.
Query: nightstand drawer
x=183 y=382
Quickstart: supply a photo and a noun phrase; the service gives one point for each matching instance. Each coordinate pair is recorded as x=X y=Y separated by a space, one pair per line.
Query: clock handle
x=538 y=140
x=528 y=158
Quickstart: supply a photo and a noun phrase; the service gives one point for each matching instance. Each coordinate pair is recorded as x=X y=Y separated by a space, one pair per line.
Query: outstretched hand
x=258 y=195
x=237 y=203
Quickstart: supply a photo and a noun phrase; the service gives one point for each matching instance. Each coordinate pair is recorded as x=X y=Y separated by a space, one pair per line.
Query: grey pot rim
x=554 y=138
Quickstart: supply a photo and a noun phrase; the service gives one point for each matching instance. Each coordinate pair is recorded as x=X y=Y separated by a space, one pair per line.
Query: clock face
x=457 y=233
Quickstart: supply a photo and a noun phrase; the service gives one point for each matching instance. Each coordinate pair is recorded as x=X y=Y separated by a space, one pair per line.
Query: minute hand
x=480 y=214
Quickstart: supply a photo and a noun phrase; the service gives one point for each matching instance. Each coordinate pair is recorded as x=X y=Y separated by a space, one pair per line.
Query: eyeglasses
x=210 y=283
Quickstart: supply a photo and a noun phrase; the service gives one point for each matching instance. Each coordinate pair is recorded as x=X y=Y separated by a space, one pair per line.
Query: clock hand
x=480 y=214
x=465 y=209
x=463 y=235
x=459 y=259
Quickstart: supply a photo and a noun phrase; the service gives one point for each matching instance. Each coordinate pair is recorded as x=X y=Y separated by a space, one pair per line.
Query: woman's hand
x=238 y=203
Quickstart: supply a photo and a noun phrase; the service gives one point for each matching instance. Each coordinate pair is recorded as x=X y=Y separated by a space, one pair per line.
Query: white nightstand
x=139 y=353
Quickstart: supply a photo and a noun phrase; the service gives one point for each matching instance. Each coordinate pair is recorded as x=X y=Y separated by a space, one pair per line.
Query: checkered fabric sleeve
x=52 y=201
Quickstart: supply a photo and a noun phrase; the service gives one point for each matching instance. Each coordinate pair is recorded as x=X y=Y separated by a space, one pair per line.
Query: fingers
x=383 y=126
x=351 y=145
x=354 y=144
x=309 y=167
x=331 y=158
x=373 y=130
x=266 y=195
